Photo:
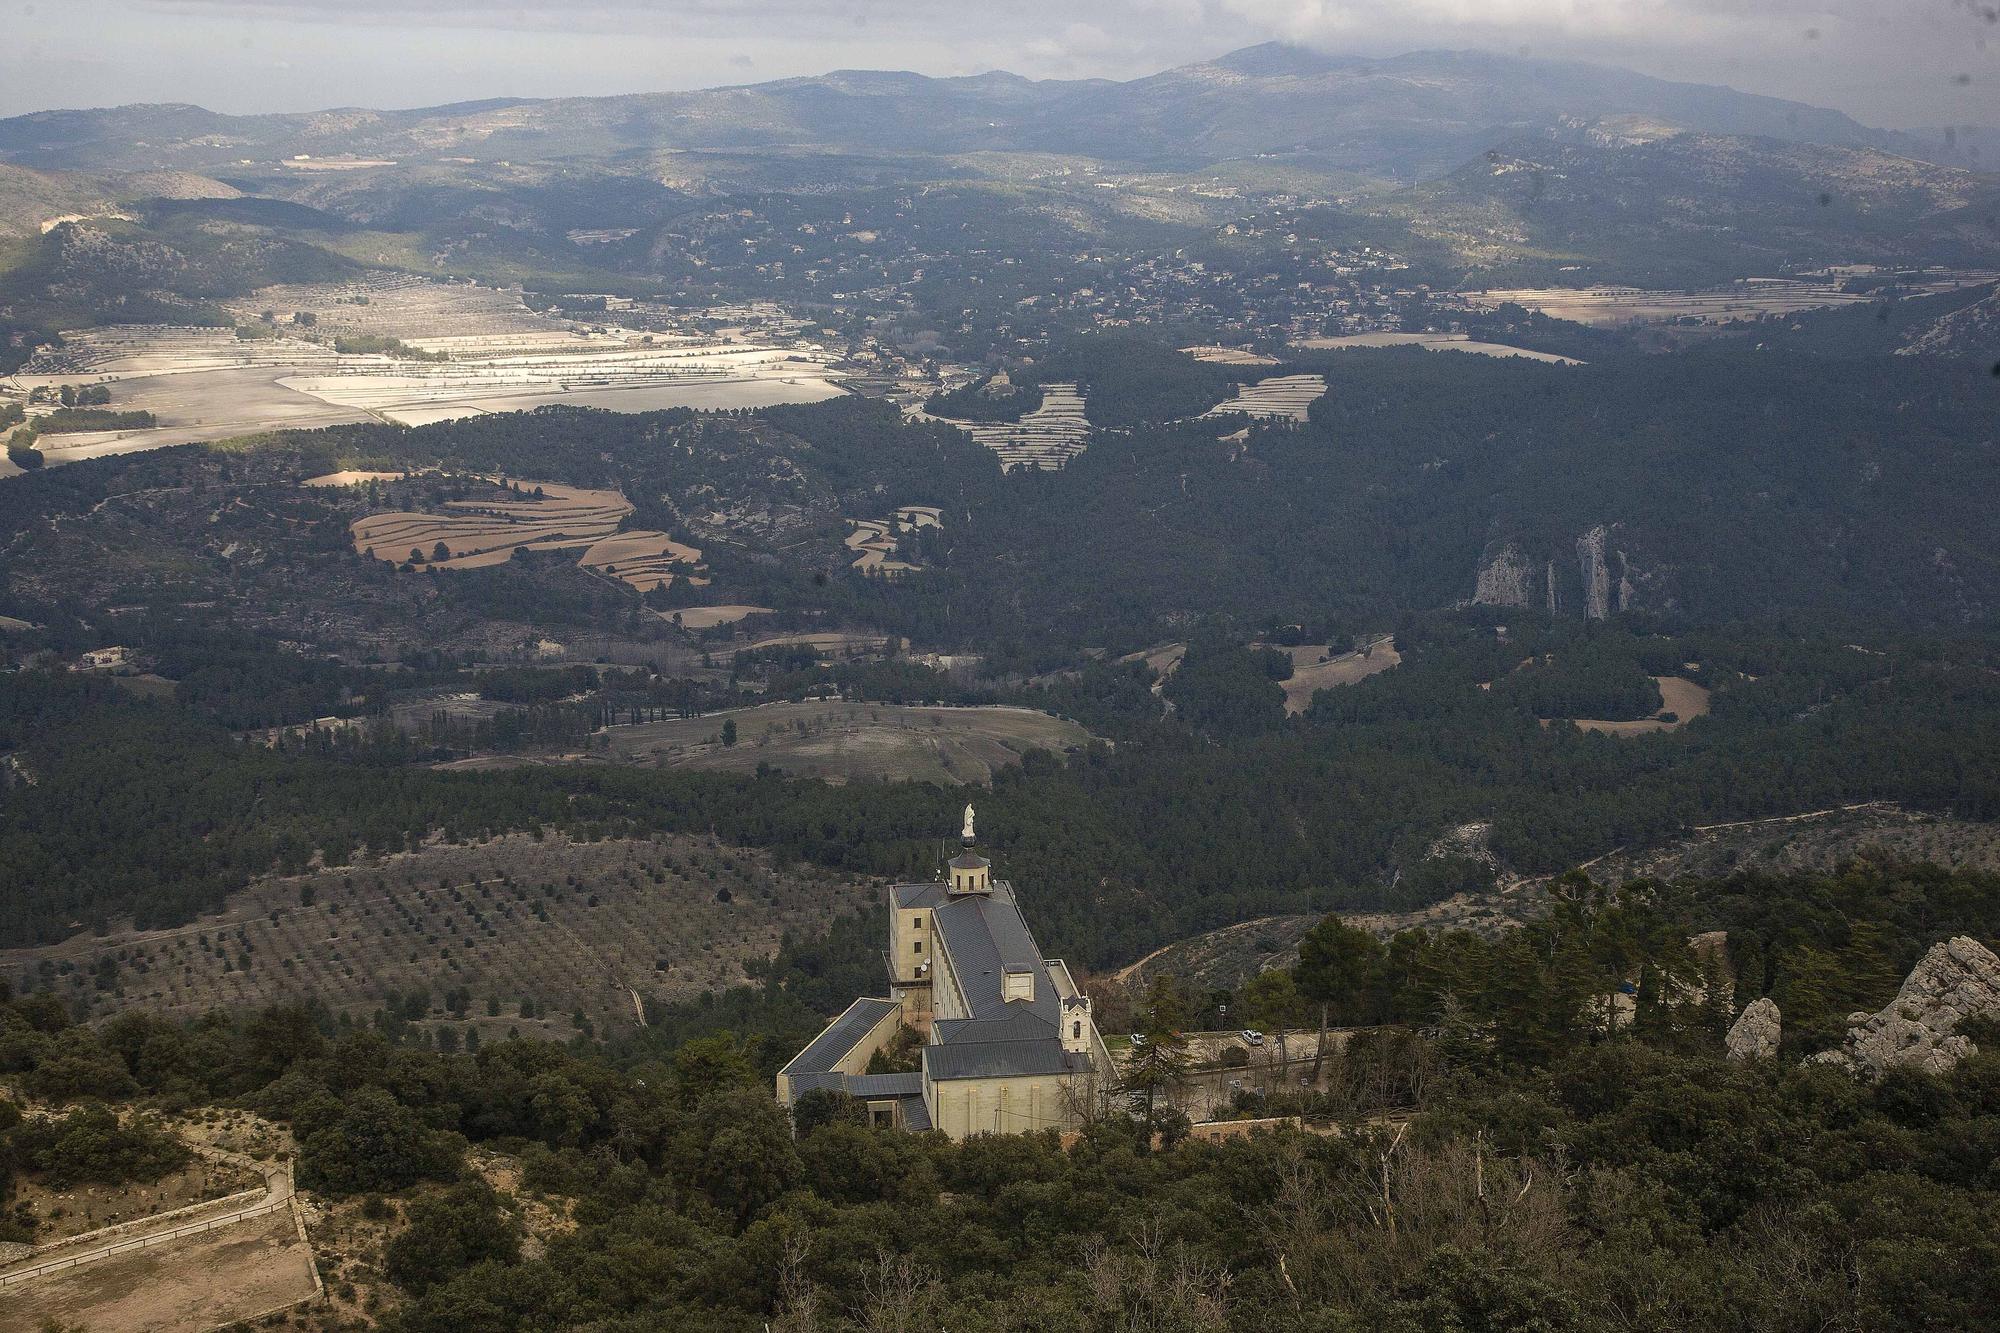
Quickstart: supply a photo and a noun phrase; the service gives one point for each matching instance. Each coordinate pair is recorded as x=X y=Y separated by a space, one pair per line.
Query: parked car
x=1251 y=1035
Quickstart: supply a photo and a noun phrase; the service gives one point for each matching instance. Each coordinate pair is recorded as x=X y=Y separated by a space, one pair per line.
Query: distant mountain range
x=1406 y=118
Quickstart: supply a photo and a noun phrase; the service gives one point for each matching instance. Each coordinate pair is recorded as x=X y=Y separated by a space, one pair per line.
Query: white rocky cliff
x=1754 y=1035
x=1957 y=980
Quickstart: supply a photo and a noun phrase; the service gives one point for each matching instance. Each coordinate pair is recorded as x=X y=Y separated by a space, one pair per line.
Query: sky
x=1892 y=63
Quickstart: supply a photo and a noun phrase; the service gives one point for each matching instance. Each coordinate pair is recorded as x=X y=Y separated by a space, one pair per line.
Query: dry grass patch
x=1679 y=696
x=841 y=742
x=1315 y=667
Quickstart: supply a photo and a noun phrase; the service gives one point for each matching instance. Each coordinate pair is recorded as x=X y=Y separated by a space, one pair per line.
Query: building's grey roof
x=985 y=938
x=878 y=1086
x=1015 y=1022
x=906 y=1089
x=969 y=861
x=825 y=1050
x=1000 y=1059
x=919 y=895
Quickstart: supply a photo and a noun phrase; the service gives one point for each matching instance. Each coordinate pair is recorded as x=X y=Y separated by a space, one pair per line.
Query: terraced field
x=1229 y=356
x=643 y=559
x=1279 y=398
x=1047 y=437
x=478 y=533
x=572 y=927
x=874 y=540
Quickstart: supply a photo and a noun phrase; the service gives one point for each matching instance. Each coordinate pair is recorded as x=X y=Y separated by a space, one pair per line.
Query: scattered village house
x=1009 y=1045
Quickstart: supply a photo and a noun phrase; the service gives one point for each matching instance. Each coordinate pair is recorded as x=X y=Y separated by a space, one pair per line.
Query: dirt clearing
x=200 y=1282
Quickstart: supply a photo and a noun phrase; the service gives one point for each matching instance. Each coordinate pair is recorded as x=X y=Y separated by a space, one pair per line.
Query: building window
x=916 y=946
x=1076 y=1032
x=917 y=922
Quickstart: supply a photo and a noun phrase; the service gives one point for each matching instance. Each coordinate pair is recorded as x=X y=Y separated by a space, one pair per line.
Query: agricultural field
x=1747 y=298
x=570 y=928
x=1279 y=398
x=1316 y=667
x=846 y=742
x=709 y=617
x=1433 y=342
x=464 y=350
x=536 y=516
x=1047 y=437
x=1229 y=356
x=645 y=560
x=874 y=540
x=614 y=370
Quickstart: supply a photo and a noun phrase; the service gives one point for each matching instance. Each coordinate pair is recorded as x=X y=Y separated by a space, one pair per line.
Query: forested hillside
x=1489 y=1154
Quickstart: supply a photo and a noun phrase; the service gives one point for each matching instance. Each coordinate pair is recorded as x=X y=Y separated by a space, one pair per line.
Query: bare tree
x=899 y=1296
x=798 y=1297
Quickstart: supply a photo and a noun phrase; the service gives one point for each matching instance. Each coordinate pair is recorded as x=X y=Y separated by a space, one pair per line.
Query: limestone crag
x=1957 y=980
x=1503 y=578
x=1754 y=1035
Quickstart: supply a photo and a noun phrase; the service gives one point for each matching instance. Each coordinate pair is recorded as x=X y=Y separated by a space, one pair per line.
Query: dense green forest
x=1187 y=823
x=1729 y=486
x=1499 y=1159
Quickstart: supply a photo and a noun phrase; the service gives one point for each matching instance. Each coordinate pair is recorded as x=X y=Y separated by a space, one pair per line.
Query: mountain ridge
x=1411 y=116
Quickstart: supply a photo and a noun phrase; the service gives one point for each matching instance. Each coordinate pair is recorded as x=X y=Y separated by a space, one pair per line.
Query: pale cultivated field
x=207 y=384
x=1230 y=356
x=643 y=559
x=1315 y=668
x=592 y=370
x=202 y=1282
x=1279 y=398
x=841 y=742
x=1744 y=299
x=832 y=643
x=874 y=539
x=573 y=926
x=1680 y=696
x=1047 y=437
x=1435 y=342
x=708 y=617
x=352 y=478
x=482 y=533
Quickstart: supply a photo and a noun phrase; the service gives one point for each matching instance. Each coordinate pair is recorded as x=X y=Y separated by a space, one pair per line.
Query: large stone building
x=1008 y=1042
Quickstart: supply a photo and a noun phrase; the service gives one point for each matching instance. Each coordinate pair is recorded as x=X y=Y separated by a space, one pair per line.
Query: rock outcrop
x=1754 y=1035
x=1957 y=980
x=1503 y=578
x=1595 y=573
